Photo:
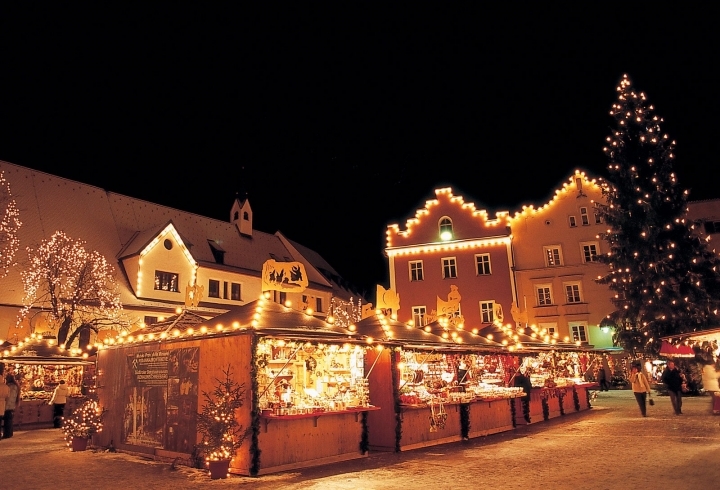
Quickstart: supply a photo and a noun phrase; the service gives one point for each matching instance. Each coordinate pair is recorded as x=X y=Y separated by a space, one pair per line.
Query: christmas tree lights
x=84 y=421
x=663 y=275
x=9 y=225
x=222 y=433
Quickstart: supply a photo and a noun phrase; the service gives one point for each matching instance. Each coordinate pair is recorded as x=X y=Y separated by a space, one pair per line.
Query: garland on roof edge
x=255 y=413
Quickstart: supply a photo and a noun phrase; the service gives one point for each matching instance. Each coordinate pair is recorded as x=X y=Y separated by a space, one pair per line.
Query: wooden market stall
x=38 y=365
x=306 y=396
x=430 y=387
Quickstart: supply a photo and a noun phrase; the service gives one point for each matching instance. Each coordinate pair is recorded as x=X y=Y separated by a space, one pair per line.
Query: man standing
x=673 y=381
x=602 y=379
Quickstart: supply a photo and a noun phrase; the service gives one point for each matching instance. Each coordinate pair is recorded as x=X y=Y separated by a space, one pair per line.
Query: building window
x=214 y=288
x=217 y=251
x=149 y=320
x=573 y=221
x=589 y=251
x=487 y=311
x=449 y=268
x=318 y=303
x=598 y=218
x=416 y=270
x=550 y=329
x=166 y=281
x=235 y=291
x=418 y=315
x=482 y=262
x=578 y=333
x=584 y=218
x=553 y=255
x=446 y=228
x=712 y=227
x=279 y=297
x=544 y=295
x=572 y=293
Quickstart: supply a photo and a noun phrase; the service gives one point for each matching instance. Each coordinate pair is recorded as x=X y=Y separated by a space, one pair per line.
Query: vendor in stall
x=522 y=381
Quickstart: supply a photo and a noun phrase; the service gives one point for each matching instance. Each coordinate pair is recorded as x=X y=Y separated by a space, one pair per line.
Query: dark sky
x=337 y=121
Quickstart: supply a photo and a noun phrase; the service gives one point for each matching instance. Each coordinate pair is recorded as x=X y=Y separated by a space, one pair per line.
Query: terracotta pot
x=218 y=469
x=79 y=443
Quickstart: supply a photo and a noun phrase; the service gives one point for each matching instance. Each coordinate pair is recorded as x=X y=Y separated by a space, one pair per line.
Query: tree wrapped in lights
x=74 y=287
x=85 y=421
x=665 y=278
x=9 y=225
x=221 y=433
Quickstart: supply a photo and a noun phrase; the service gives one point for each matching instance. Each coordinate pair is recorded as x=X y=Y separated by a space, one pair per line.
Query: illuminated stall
x=38 y=365
x=432 y=387
x=307 y=396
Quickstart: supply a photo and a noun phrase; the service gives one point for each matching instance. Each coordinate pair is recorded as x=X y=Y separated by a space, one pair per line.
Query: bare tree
x=74 y=288
x=9 y=225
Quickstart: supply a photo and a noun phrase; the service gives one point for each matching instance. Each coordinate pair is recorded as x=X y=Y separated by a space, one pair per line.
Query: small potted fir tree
x=85 y=421
x=221 y=433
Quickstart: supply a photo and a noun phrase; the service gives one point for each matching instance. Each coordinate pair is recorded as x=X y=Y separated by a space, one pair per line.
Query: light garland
x=9 y=226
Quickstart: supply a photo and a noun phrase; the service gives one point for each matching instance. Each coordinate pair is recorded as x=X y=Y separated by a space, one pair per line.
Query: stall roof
x=40 y=351
x=384 y=329
x=182 y=321
x=672 y=350
x=528 y=342
x=462 y=338
x=268 y=317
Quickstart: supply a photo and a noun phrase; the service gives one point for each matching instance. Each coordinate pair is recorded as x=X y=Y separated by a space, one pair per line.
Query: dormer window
x=217 y=251
x=446 y=229
x=246 y=216
x=237 y=215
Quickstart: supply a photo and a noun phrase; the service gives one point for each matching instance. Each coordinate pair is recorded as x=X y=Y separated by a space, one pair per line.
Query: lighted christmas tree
x=665 y=278
x=9 y=225
x=222 y=433
x=85 y=421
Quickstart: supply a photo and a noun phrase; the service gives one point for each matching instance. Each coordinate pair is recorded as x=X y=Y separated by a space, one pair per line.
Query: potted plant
x=85 y=421
x=221 y=433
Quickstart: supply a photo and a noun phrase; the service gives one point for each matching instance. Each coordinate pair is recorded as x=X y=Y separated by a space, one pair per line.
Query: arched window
x=236 y=216
x=246 y=216
x=446 y=228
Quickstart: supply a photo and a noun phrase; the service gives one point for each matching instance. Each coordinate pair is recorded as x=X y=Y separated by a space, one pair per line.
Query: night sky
x=336 y=121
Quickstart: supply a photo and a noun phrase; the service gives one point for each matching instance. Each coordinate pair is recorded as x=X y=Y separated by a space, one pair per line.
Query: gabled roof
x=184 y=320
x=116 y=226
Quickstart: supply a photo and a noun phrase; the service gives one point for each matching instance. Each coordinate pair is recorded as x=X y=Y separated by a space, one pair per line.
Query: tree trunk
x=83 y=331
x=64 y=330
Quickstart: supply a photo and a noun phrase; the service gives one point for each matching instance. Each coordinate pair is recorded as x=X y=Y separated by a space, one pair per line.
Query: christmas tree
x=222 y=433
x=665 y=278
x=85 y=421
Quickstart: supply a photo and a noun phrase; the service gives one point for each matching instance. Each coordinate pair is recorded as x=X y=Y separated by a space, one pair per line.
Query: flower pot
x=79 y=443
x=218 y=469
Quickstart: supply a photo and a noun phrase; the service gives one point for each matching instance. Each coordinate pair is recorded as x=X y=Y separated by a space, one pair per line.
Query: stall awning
x=40 y=351
x=680 y=350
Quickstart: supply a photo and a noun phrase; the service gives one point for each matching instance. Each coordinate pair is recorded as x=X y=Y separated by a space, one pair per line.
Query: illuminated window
x=598 y=218
x=553 y=255
x=543 y=293
x=235 y=291
x=487 y=311
x=584 y=218
x=418 y=315
x=589 y=251
x=573 y=221
x=149 y=320
x=213 y=288
x=446 y=228
x=482 y=262
x=578 y=332
x=416 y=270
x=166 y=281
x=572 y=293
x=449 y=268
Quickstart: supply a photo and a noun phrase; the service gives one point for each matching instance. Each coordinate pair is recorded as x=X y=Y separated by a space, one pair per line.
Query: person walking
x=673 y=381
x=602 y=379
x=640 y=387
x=3 y=393
x=58 y=400
x=12 y=399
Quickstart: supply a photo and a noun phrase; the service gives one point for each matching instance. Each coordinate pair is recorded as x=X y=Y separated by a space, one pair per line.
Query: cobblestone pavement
x=607 y=447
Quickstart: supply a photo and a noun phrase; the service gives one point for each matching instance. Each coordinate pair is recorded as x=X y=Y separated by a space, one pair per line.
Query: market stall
x=432 y=388
x=38 y=365
x=307 y=395
x=558 y=384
